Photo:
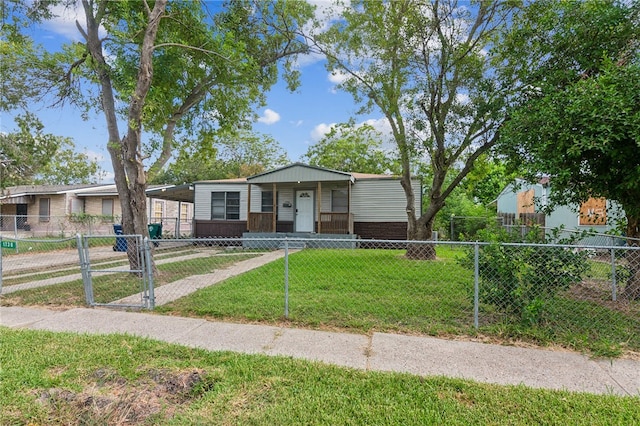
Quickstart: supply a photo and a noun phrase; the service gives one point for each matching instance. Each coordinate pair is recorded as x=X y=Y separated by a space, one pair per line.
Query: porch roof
x=299 y=172
x=183 y=193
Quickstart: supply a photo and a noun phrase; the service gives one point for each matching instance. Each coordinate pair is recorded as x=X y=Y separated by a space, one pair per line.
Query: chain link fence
x=35 y=226
x=581 y=297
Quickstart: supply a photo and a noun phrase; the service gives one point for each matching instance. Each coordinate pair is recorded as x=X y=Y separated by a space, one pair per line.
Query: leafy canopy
x=580 y=120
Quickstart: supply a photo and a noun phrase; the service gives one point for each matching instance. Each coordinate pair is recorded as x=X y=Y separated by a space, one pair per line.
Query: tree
x=167 y=67
x=353 y=149
x=427 y=66
x=228 y=155
x=31 y=156
x=580 y=122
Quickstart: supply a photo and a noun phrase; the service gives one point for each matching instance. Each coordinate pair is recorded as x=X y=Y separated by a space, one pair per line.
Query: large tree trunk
x=126 y=153
x=632 y=289
x=422 y=250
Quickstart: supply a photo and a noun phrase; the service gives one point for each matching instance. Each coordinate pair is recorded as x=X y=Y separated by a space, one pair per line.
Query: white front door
x=304 y=211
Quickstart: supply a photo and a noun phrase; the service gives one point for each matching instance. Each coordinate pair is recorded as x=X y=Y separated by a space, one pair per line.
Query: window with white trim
x=107 y=207
x=339 y=201
x=158 y=210
x=184 y=212
x=267 y=202
x=225 y=205
x=44 y=209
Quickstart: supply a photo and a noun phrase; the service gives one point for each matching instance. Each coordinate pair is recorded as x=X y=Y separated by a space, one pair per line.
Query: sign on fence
x=8 y=244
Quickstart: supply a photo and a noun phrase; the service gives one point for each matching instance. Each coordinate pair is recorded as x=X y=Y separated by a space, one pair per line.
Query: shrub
x=520 y=280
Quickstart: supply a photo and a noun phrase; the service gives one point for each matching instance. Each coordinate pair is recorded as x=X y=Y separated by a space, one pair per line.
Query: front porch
x=319 y=204
x=329 y=223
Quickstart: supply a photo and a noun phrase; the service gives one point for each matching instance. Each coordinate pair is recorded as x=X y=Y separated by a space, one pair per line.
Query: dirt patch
x=600 y=292
x=111 y=399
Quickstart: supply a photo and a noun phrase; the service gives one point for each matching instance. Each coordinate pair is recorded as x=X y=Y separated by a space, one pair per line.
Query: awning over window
x=21 y=199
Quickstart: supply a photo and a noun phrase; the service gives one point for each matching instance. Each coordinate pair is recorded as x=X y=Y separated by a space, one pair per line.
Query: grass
x=380 y=290
x=60 y=378
x=401 y=295
x=47 y=244
x=108 y=288
x=372 y=290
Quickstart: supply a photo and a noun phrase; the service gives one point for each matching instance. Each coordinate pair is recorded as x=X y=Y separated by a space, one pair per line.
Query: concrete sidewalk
x=425 y=356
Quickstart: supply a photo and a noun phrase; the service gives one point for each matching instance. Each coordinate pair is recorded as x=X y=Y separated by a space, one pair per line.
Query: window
x=158 y=210
x=44 y=209
x=267 y=202
x=225 y=205
x=77 y=205
x=339 y=201
x=184 y=212
x=107 y=207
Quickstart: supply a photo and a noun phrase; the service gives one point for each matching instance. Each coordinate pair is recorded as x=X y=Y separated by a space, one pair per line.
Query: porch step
x=298 y=245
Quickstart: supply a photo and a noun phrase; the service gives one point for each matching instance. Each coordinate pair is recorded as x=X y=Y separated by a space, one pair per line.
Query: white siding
x=285 y=195
x=382 y=200
x=299 y=173
x=202 y=198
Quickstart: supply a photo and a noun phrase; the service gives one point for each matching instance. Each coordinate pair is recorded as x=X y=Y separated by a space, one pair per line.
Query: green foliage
x=580 y=120
x=353 y=149
x=469 y=217
x=29 y=155
x=223 y=155
x=521 y=280
x=428 y=68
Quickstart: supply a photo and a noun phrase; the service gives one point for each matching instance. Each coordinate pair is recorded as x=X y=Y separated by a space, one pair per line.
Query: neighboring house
x=66 y=209
x=304 y=199
x=523 y=203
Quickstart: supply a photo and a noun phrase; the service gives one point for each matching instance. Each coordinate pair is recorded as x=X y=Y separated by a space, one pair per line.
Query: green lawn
x=380 y=290
x=108 y=288
x=60 y=378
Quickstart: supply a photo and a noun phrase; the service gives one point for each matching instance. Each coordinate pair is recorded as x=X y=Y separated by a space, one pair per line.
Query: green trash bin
x=155 y=231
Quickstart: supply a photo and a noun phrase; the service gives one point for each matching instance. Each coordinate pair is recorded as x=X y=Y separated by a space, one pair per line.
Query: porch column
x=274 y=208
x=319 y=208
x=249 y=207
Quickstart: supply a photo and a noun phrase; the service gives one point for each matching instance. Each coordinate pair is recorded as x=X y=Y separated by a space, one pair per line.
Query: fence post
x=614 y=285
x=151 y=300
x=286 y=277
x=476 y=285
x=84 y=270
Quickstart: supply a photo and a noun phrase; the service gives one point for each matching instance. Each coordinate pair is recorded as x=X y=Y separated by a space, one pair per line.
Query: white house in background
x=303 y=199
x=522 y=202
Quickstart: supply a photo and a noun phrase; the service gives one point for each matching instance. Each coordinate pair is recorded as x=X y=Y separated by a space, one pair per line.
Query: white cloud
x=64 y=21
x=320 y=130
x=269 y=117
x=338 y=76
x=297 y=123
x=380 y=124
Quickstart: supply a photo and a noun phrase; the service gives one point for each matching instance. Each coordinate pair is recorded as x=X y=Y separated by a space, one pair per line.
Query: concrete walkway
x=177 y=289
x=425 y=356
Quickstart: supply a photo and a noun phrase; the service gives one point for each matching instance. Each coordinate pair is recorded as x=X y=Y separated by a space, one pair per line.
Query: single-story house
x=67 y=209
x=522 y=202
x=303 y=199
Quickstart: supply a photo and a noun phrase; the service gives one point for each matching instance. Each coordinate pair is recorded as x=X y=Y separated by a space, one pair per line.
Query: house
x=67 y=209
x=303 y=199
x=523 y=203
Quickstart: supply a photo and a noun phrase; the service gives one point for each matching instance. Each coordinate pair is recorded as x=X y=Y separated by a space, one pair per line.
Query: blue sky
x=296 y=120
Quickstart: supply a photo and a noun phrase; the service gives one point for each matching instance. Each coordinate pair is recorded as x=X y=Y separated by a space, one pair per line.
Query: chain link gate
x=124 y=283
